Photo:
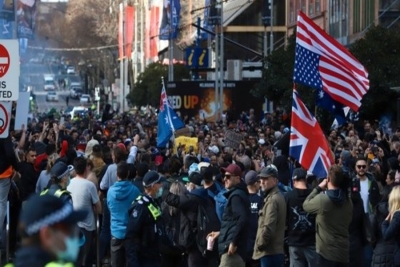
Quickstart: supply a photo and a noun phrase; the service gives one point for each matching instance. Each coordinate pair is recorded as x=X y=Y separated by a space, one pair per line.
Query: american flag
x=307 y=141
x=324 y=64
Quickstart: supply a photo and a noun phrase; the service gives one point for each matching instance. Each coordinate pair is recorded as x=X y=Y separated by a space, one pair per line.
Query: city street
x=33 y=75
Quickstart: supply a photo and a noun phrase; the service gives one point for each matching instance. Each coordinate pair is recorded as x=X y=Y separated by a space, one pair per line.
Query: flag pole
x=169 y=114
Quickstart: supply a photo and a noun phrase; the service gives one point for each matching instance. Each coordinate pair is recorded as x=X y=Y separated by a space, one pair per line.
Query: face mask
x=71 y=250
x=159 y=192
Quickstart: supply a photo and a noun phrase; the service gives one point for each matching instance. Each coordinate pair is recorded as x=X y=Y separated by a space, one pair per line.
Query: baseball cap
x=251 y=177
x=152 y=177
x=268 y=171
x=193 y=168
x=47 y=210
x=60 y=169
x=299 y=173
x=122 y=147
x=233 y=169
x=214 y=149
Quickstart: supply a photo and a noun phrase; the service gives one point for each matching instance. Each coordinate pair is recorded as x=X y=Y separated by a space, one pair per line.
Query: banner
x=7 y=10
x=199 y=100
x=170 y=20
x=26 y=17
x=129 y=29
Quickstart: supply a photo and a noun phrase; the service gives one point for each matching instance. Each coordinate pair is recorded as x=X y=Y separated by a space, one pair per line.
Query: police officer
x=145 y=229
x=60 y=173
x=49 y=233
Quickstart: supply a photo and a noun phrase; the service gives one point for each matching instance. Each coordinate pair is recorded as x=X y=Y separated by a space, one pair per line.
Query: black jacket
x=32 y=256
x=373 y=192
x=141 y=240
x=234 y=224
x=65 y=196
x=29 y=177
x=8 y=157
x=391 y=231
x=300 y=224
x=383 y=250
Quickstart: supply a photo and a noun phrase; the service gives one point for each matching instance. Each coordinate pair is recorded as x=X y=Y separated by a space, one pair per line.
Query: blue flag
x=326 y=102
x=168 y=121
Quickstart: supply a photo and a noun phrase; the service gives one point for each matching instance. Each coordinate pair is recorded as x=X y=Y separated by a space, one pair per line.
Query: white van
x=49 y=84
x=77 y=110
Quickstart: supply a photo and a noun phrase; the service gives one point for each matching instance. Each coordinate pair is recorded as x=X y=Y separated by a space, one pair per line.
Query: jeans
x=105 y=234
x=85 y=258
x=303 y=256
x=118 y=255
x=272 y=260
x=5 y=184
x=327 y=263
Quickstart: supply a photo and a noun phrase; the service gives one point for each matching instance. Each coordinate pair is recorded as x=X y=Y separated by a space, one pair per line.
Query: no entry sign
x=5 y=115
x=9 y=70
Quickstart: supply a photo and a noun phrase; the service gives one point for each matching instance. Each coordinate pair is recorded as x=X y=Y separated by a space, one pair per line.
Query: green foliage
x=148 y=88
x=378 y=51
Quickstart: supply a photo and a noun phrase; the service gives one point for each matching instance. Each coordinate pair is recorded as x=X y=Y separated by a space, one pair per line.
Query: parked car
x=75 y=92
x=52 y=96
x=85 y=99
x=71 y=70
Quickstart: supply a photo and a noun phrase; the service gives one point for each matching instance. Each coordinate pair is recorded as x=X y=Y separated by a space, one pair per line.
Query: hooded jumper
x=119 y=199
x=334 y=214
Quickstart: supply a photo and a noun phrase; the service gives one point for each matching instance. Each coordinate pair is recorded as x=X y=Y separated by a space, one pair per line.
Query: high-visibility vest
x=58 y=193
x=50 y=264
x=7 y=173
x=155 y=211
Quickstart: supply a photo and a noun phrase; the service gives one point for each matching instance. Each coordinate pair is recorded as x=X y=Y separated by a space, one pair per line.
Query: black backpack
x=207 y=222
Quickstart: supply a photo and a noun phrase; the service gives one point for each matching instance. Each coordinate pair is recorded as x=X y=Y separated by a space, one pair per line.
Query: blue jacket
x=119 y=199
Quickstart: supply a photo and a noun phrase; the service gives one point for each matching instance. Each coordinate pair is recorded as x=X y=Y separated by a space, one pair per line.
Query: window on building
x=317 y=6
x=303 y=6
x=311 y=8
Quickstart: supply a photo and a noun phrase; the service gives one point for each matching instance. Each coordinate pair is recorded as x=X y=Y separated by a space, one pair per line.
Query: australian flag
x=307 y=141
x=168 y=121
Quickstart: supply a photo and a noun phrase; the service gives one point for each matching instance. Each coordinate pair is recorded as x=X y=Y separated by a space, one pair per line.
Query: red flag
x=307 y=141
x=129 y=29
x=323 y=63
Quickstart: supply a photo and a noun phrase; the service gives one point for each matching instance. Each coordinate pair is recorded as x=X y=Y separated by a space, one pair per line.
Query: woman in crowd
x=391 y=225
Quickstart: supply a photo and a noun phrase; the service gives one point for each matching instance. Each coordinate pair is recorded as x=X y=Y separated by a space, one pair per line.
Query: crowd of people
x=209 y=205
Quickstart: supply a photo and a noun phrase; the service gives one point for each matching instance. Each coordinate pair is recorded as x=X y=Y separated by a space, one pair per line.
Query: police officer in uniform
x=49 y=233
x=145 y=228
x=60 y=173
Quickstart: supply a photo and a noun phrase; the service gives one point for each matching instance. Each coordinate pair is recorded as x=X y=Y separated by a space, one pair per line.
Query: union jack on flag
x=307 y=141
x=324 y=64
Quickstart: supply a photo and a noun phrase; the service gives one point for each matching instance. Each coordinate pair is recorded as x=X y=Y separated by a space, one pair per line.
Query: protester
x=333 y=211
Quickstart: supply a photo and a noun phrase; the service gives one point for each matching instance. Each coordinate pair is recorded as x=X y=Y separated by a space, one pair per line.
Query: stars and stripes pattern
x=324 y=64
x=307 y=141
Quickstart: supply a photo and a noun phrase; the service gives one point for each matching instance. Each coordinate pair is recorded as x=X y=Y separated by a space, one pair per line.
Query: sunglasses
x=228 y=176
x=361 y=166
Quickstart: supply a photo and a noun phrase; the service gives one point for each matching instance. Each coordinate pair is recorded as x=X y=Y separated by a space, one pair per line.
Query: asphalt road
x=33 y=75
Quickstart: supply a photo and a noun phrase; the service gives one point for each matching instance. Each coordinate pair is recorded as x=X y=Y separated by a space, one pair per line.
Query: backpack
x=220 y=200
x=207 y=222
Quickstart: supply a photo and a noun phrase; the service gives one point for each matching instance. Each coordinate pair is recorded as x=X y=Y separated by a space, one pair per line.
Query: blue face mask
x=159 y=192
x=71 y=250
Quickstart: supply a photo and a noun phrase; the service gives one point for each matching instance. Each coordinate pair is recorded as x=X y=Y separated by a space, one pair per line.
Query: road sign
x=5 y=116
x=9 y=70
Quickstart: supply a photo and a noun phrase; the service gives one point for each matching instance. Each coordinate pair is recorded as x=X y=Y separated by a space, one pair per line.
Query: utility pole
x=121 y=61
x=217 y=66
x=221 y=65
x=171 y=44
x=271 y=35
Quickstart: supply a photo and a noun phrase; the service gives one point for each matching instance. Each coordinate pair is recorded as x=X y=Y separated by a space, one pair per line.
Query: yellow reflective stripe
x=155 y=212
x=9 y=265
x=56 y=264
x=44 y=192
x=59 y=192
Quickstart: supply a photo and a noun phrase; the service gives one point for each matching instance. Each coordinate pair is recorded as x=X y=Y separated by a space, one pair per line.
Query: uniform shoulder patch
x=134 y=213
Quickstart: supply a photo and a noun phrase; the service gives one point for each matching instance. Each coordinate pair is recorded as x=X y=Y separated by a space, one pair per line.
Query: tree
x=148 y=88
x=378 y=51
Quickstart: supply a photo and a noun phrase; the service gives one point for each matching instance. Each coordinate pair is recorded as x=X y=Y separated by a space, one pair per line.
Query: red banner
x=120 y=35
x=129 y=29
